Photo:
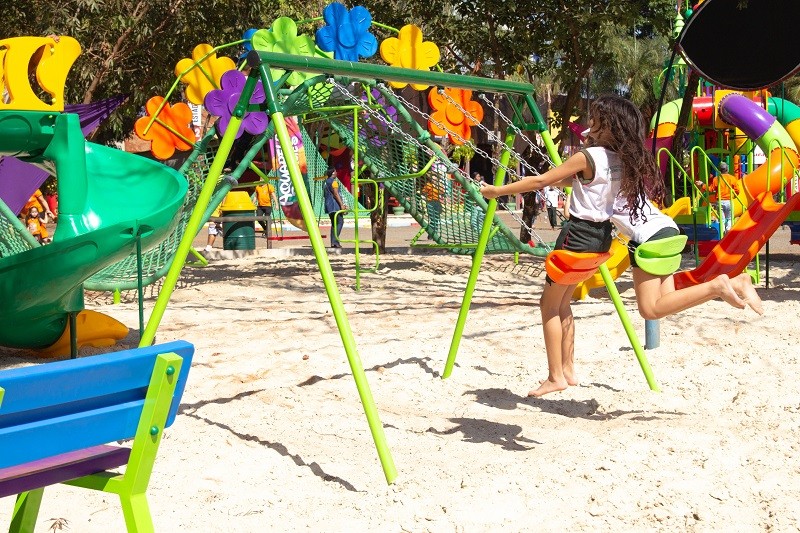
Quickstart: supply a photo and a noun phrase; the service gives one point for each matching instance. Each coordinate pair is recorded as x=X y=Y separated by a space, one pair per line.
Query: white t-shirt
x=593 y=198
x=551 y=195
x=640 y=230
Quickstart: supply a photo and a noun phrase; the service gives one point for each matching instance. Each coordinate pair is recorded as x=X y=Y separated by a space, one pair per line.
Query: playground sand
x=272 y=436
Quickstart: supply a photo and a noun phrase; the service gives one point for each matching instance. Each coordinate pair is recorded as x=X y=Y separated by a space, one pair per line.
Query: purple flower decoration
x=347 y=32
x=222 y=102
x=384 y=115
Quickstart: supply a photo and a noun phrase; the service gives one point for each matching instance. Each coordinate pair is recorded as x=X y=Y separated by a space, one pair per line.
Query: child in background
x=36 y=226
x=213 y=230
x=614 y=163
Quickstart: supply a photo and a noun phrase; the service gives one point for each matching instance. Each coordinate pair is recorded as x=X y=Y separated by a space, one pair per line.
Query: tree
x=132 y=47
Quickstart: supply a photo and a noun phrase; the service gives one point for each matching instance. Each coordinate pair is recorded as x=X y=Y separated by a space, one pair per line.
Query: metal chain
x=453 y=168
x=513 y=215
x=457 y=136
x=492 y=135
x=518 y=131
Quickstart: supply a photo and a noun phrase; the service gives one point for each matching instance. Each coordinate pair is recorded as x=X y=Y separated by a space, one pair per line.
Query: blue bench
x=57 y=420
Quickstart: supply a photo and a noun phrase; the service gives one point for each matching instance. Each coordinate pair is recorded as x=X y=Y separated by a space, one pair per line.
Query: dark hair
x=329 y=172
x=625 y=128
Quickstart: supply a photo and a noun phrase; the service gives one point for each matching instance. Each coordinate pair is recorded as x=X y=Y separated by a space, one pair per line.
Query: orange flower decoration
x=206 y=75
x=408 y=50
x=169 y=131
x=448 y=118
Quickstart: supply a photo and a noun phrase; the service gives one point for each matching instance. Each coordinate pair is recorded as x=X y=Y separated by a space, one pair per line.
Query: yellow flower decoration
x=282 y=38
x=408 y=50
x=206 y=75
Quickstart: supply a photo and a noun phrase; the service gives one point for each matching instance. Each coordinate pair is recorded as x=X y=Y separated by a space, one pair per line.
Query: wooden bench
x=57 y=420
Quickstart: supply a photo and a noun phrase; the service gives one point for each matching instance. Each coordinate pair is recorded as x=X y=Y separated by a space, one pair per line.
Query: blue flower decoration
x=248 y=45
x=346 y=33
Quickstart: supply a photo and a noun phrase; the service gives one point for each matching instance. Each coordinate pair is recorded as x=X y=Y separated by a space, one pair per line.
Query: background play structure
x=315 y=93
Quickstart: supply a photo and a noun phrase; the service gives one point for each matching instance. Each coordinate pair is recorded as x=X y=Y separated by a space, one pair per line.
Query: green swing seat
x=661 y=257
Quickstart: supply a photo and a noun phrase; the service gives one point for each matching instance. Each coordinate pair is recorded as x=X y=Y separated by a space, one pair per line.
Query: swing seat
x=568 y=268
x=661 y=257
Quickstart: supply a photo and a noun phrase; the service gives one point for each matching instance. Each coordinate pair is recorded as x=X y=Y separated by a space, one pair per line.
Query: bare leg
x=568 y=337
x=656 y=296
x=743 y=286
x=550 y=306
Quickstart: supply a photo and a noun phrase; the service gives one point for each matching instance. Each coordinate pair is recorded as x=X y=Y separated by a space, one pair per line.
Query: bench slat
x=34 y=441
x=61 y=383
x=55 y=408
x=60 y=468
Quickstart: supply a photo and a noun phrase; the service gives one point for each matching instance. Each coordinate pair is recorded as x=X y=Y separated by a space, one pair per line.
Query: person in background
x=36 y=227
x=723 y=188
x=551 y=197
x=334 y=204
x=265 y=199
x=433 y=198
x=37 y=201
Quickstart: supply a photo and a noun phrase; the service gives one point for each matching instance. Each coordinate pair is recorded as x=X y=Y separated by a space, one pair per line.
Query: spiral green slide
x=108 y=199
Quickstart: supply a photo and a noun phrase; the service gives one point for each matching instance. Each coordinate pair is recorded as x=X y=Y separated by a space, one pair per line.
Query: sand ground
x=272 y=437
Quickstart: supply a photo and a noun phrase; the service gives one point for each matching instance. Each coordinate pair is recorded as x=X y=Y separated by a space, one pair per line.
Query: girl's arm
x=558 y=176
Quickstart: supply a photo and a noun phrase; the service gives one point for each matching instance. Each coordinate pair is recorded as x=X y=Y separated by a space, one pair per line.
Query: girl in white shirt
x=615 y=163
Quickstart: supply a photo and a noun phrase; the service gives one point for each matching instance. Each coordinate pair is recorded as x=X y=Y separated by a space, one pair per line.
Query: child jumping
x=614 y=163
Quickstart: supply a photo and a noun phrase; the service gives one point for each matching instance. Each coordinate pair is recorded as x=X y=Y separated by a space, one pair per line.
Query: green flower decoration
x=282 y=38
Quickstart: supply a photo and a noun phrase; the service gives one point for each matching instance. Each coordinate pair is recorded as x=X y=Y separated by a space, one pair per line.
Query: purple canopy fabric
x=19 y=180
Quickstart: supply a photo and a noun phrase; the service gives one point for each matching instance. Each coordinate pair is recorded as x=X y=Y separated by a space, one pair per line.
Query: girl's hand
x=489 y=191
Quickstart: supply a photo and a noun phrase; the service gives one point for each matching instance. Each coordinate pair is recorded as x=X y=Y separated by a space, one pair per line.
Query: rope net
x=398 y=152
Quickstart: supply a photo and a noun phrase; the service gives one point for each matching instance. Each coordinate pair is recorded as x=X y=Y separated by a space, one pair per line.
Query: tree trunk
x=683 y=119
x=377 y=217
x=530 y=210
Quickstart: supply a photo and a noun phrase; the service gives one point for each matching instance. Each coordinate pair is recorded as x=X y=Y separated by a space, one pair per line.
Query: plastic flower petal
x=408 y=50
x=222 y=103
x=282 y=38
x=347 y=32
x=205 y=75
x=247 y=36
x=454 y=119
x=171 y=129
x=376 y=125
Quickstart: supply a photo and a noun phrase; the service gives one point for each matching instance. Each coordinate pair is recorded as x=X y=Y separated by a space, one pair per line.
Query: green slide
x=106 y=199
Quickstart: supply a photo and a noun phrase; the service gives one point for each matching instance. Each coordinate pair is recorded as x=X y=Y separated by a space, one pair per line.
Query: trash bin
x=238 y=235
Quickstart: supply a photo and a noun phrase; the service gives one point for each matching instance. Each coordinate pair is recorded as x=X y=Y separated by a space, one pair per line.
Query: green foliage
x=132 y=47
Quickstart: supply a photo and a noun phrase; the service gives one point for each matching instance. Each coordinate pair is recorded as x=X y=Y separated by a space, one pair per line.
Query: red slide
x=732 y=254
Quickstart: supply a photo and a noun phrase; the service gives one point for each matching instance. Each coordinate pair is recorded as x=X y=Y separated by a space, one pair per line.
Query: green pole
x=372 y=71
x=354 y=207
x=196 y=218
x=483 y=240
x=139 y=284
x=337 y=306
x=626 y=323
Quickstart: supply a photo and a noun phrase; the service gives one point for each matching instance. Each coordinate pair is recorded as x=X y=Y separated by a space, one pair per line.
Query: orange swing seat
x=568 y=268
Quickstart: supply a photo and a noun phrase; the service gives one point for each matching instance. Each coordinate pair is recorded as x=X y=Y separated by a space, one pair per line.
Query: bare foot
x=725 y=291
x=548 y=386
x=743 y=286
x=572 y=381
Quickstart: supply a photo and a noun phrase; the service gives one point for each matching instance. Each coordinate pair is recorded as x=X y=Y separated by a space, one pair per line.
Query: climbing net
x=433 y=189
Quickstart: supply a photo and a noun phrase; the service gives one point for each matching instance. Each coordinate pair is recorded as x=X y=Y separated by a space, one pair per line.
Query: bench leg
x=26 y=511
x=137 y=513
